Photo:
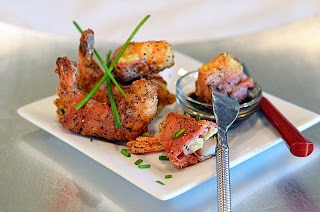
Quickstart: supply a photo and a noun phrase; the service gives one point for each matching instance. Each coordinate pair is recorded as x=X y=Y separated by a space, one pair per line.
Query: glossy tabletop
x=41 y=173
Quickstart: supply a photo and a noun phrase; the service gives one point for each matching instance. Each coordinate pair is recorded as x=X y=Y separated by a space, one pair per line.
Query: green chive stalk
x=108 y=76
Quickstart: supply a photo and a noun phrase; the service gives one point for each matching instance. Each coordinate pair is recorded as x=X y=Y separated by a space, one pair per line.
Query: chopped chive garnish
x=168 y=176
x=108 y=72
x=198 y=118
x=108 y=58
x=178 y=133
x=125 y=152
x=113 y=104
x=139 y=161
x=163 y=157
x=124 y=46
x=106 y=77
x=160 y=182
x=144 y=166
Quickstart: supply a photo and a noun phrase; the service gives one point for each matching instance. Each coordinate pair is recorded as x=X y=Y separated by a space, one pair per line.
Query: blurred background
x=175 y=21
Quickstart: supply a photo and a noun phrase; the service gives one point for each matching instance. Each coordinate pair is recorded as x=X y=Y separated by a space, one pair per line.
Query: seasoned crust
x=225 y=74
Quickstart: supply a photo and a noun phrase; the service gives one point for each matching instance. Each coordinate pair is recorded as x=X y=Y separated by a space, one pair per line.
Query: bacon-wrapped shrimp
x=224 y=73
x=194 y=145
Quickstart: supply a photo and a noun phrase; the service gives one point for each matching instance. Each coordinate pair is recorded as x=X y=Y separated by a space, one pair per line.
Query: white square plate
x=249 y=138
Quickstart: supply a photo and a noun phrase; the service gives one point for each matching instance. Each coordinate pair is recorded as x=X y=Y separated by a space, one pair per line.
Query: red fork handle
x=298 y=144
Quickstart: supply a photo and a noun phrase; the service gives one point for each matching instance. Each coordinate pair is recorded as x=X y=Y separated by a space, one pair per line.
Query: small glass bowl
x=186 y=86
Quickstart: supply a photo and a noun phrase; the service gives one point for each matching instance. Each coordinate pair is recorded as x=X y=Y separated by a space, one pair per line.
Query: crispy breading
x=141 y=59
x=225 y=74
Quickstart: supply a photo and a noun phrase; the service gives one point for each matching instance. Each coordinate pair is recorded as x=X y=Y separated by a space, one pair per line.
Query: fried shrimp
x=89 y=72
x=141 y=59
x=95 y=118
x=164 y=96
